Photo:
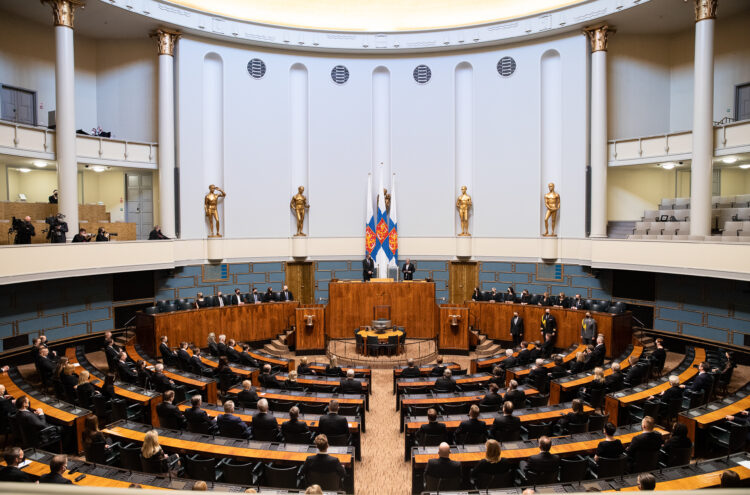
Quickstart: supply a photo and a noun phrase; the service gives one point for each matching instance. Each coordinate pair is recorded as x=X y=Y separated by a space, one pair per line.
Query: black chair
x=534 y=478
x=85 y=400
x=211 y=301
x=437 y=484
x=537 y=400
x=508 y=436
x=153 y=464
x=48 y=438
x=280 y=405
x=648 y=408
x=489 y=407
x=676 y=457
x=609 y=467
x=266 y=435
x=130 y=457
x=121 y=410
x=671 y=410
x=327 y=481
x=308 y=408
x=98 y=452
x=536 y=430
x=487 y=481
x=595 y=398
x=303 y=438
x=238 y=473
x=203 y=468
x=428 y=440
x=573 y=468
x=169 y=308
x=416 y=390
x=281 y=476
x=341 y=440
x=461 y=408
x=373 y=345
x=597 y=421
x=184 y=305
x=151 y=310
x=471 y=438
x=349 y=410
x=391 y=347
x=171 y=422
x=646 y=461
x=730 y=437
x=572 y=428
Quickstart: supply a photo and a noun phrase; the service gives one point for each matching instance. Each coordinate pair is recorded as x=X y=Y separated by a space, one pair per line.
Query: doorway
x=139 y=199
x=18 y=105
x=464 y=276
x=300 y=277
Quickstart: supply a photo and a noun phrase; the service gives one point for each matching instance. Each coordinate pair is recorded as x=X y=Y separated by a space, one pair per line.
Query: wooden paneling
x=453 y=337
x=464 y=276
x=350 y=306
x=494 y=321
x=40 y=211
x=311 y=337
x=300 y=277
x=248 y=322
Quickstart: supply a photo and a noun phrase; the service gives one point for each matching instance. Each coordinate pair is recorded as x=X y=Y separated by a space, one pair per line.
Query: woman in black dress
x=610 y=447
x=84 y=389
x=491 y=465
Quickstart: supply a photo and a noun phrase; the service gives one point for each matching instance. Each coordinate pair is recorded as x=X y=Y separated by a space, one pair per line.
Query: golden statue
x=463 y=203
x=209 y=204
x=299 y=205
x=552 y=202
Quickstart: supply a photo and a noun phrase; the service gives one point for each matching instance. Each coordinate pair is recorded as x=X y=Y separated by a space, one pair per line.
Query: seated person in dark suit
x=7 y=402
x=269 y=296
x=524 y=354
x=678 y=440
x=492 y=464
x=492 y=398
x=432 y=427
x=303 y=368
x=247 y=397
x=246 y=358
x=221 y=345
x=30 y=420
x=538 y=373
x=332 y=423
x=57 y=466
x=578 y=364
x=445 y=383
x=525 y=297
x=536 y=352
x=349 y=385
x=674 y=391
x=703 y=382
x=197 y=364
x=13 y=456
x=160 y=381
x=45 y=365
x=231 y=425
x=506 y=425
x=545 y=300
x=169 y=413
x=512 y=394
x=266 y=379
x=333 y=368
x=438 y=369
x=322 y=463
x=473 y=429
x=265 y=426
x=576 y=416
x=634 y=375
x=595 y=386
x=510 y=361
x=562 y=300
x=167 y=354
x=183 y=355
x=542 y=462
x=610 y=447
x=559 y=367
x=200 y=301
x=498 y=376
x=198 y=419
x=659 y=355
x=443 y=467
x=294 y=426
x=477 y=295
x=647 y=442
x=599 y=352
x=614 y=382
x=411 y=371
x=232 y=353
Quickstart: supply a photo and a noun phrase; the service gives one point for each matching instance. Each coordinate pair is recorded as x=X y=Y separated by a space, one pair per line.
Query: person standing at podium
x=408 y=270
x=368 y=266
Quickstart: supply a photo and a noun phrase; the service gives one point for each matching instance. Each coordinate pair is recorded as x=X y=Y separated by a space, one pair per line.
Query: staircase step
x=489 y=351
x=273 y=350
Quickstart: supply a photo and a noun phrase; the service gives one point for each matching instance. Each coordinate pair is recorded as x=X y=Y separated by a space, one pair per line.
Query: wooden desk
x=245 y=372
x=700 y=481
x=453 y=329
x=488 y=364
x=205 y=385
x=74 y=417
x=494 y=321
x=401 y=383
x=424 y=370
x=147 y=398
x=320 y=368
x=623 y=398
x=311 y=338
x=520 y=372
x=715 y=412
x=350 y=305
x=256 y=322
x=561 y=386
x=265 y=358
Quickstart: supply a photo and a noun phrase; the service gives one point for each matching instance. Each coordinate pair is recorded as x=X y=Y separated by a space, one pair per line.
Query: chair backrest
x=303 y=438
x=151 y=310
x=341 y=440
x=238 y=473
x=201 y=468
x=231 y=429
x=646 y=461
x=280 y=476
x=461 y=408
x=577 y=428
x=267 y=435
x=537 y=430
x=609 y=467
x=349 y=410
x=573 y=468
x=487 y=481
x=169 y=308
x=437 y=484
x=327 y=481
x=280 y=405
x=542 y=478
x=130 y=457
x=536 y=400
x=153 y=464
x=510 y=436
x=489 y=407
x=95 y=452
x=597 y=421
x=429 y=440
x=679 y=456
x=310 y=408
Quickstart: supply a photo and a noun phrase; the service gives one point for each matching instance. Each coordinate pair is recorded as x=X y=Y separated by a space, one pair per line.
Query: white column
x=381 y=123
x=703 y=140
x=65 y=112
x=463 y=110
x=598 y=36
x=166 y=43
x=300 y=137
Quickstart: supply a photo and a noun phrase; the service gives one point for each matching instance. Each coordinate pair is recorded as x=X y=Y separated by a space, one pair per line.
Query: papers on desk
x=744 y=464
x=25 y=463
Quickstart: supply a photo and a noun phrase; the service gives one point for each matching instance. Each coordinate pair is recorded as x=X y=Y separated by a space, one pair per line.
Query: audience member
x=577 y=416
x=498 y=376
x=248 y=360
x=169 y=413
x=57 y=466
x=492 y=464
x=472 y=430
x=411 y=371
x=703 y=382
x=512 y=394
x=646 y=482
x=596 y=386
x=510 y=361
x=506 y=426
x=81 y=236
x=647 y=442
x=333 y=368
x=635 y=373
x=291 y=382
x=322 y=463
x=267 y=380
x=432 y=427
x=231 y=425
x=53 y=199
x=350 y=385
x=543 y=462
x=445 y=383
x=160 y=381
x=92 y=434
x=578 y=364
x=610 y=447
x=524 y=354
x=156 y=234
x=599 y=353
x=198 y=419
x=491 y=399
x=615 y=381
x=439 y=368
x=294 y=426
x=152 y=449
x=24 y=230
x=13 y=456
x=332 y=423
x=679 y=439
x=443 y=467
x=303 y=368
x=265 y=426
x=659 y=355
x=314 y=490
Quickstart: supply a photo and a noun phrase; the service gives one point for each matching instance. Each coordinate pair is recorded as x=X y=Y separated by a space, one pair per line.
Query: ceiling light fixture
x=729 y=159
x=98 y=168
x=39 y=164
x=24 y=170
x=745 y=166
x=668 y=165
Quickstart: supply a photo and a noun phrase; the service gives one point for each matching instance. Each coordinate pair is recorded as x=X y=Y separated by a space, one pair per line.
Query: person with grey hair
x=13 y=456
x=294 y=427
x=221 y=345
x=446 y=383
x=674 y=392
x=232 y=426
x=411 y=371
x=614 y=381
x=349 y=385
x=160 y=381
x=510 y=360
x=332 y=423
x=198 y=419
x=443 y=467
x=265 y=426
x=266 y=379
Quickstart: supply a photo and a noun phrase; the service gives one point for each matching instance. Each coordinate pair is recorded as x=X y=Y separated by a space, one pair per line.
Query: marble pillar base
x=215 y=249
x=463 y=247
x=548 y=248
x=299 y=247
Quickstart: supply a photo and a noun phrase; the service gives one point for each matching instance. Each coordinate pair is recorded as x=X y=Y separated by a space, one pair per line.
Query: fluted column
x=65 y=110
x=703 y=139
x=166 y=42
x=598 y=36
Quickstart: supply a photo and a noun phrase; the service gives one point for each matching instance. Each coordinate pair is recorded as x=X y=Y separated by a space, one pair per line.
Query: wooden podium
x=453 y=333
x=311 y=330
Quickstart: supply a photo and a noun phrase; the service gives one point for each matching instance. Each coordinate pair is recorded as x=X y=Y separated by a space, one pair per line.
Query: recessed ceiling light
x=98 y=168
x=39 y=164
x=729 y=159
x=668 y=165
x=24 y=170
x=745 y=166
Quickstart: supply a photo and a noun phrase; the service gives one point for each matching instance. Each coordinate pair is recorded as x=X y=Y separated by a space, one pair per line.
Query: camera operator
x=156 y=234
x=82 y=236
x=24 y=230
x=102 y=235
x=53 y=198
x=58 y=227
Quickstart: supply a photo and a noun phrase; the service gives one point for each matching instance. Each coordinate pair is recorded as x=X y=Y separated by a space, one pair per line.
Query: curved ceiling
x=374 y=15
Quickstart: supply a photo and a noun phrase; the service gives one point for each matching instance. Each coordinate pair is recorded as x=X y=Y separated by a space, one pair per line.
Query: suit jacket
x=236 y=299
x=248 y=360
x=674 y=392
x=704 y=382
x=256 y=297
x=268 y=381
x=577 y=303
x=539 y=373
x=588 y=328
x=509 y=362
x=443 y=467
x=516 y=326
x=334 y=371
x=477 y=296
x=491 y=399
x=286 y=296
x=645 y=442
x=198 y=364
x=434 y=428
x=295 y=427
x=166 y=352
x=55 y=478
x=303 y=369
x=46 y=367
x=323 y=463
x=167 y=410
x=409 y=271
x=183 y=356
x=368 y=266
x=161 y=383
x=350 y=387
x=485 y=467
x=610 y=449
x=248 y=397
x=658 y=357
x=232 y=426
x=333 y=424
x=471 y=426
x=112 y=353
x=598 y=354
x=197 y=417
x=524 y=356
x=126 y=373
x=505 y=424
x=8 y=473
x=233 y=355
x=562 y=301
x=549 y=324
x=29 y=420
x=534 y=354
x=517 y=397
x=222 y=347
x=410 y=372
x=437 y=370
x=444 y=383
x=635 y=375
x=264 y=422
x=543 y=462
x=269 y=297
x=614 y=381
x=545 y=301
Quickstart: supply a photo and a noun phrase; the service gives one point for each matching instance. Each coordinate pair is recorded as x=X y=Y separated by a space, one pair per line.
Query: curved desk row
x=520 y=372
x=702 y=417
x=488 y=363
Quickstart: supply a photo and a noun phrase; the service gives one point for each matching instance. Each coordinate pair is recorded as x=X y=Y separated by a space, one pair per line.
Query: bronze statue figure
x=299 y=205
x=463 y=203
x=552 y=202
x=210 y=204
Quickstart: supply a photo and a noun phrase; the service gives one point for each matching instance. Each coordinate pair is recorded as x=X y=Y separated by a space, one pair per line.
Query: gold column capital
x=705 y=9
x=166 y=40
x=599 y=36
x=63 y=11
